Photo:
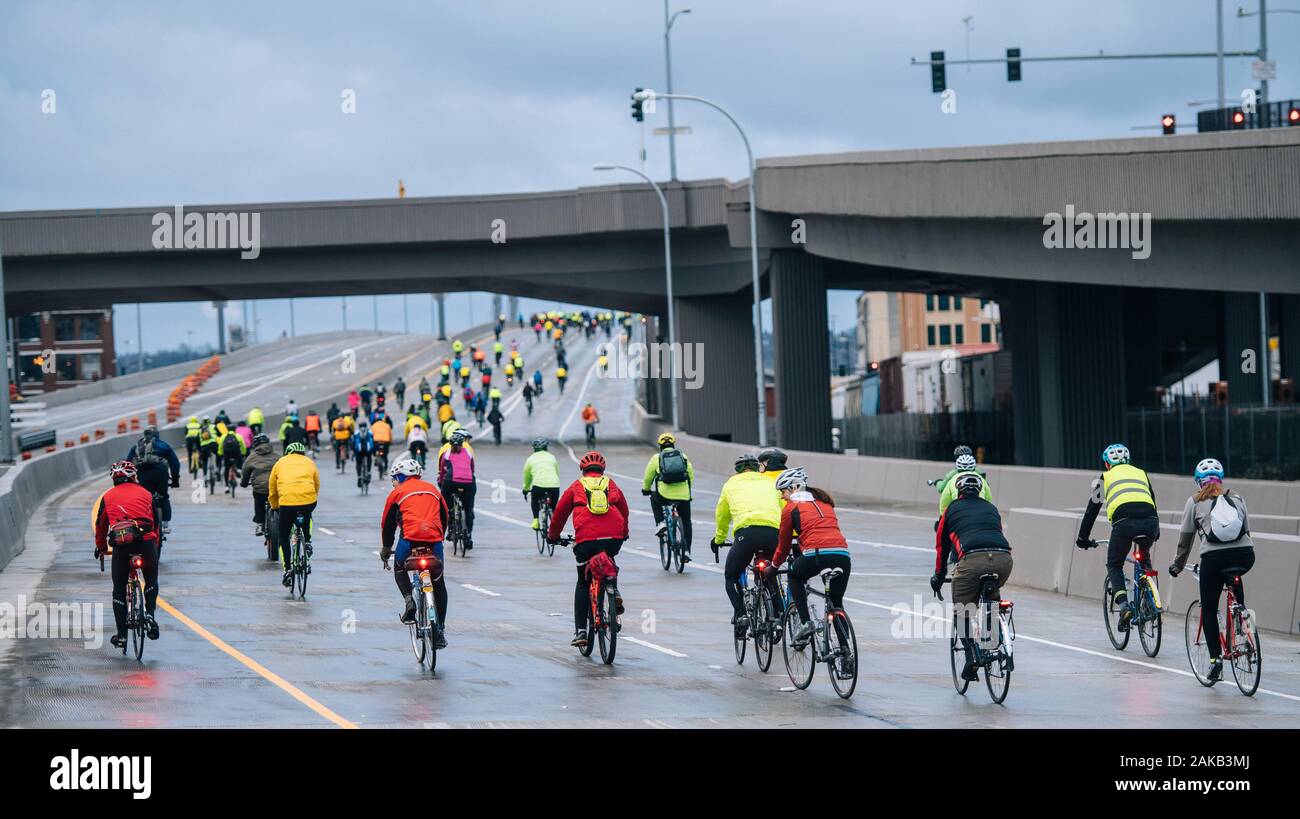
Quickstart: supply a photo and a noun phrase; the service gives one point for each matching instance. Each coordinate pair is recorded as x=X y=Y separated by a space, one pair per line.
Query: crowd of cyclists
x=768 y=513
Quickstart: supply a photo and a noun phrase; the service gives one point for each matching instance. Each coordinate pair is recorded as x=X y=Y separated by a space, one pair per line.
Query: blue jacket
x=363 y=443
x=163 y=450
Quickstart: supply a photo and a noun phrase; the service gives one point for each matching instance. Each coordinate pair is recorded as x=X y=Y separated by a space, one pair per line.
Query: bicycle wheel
x=1247 y=659
x=842 y=658
x=958 y=662
x=300 y=564
x=764 y=628
x=1111 y=612
x=419 y=628
x=608 y=631
x=1198 y=651
x=997 y=673
x=800 y=659
x=678 y=548
x=431 y=625
x=1151 y=622
x=540 y=536
x=665 y=551
x=137 y=612
x=741 y=639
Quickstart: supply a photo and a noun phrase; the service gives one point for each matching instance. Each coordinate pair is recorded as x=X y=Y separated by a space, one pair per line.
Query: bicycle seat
x=1142 y=541
x=989 y=576
x=831 y=574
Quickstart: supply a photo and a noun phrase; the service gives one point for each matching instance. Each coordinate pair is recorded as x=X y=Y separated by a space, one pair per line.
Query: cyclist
x=528 y=396
x=446 y=415
x=456 y=477
x=480 y=406
x=207 y=442
x=311 y=424
x=772 y=462
x=293 y=487
x=363 y=447
x=600 y=516
x=291 y=408
x=541 y=477
x=256 y=473
x=747 y=501
x=497 y=350
x=448 y=427
x=970 y=534
x=669 y=476
x=494 y=417
x=457 y=346
x=417 y=441
x=590 y=418
x=948 y=489
x=399 y=392
x=222 y=418
x=128 y=501
x=255 y=419
x=382 y=431
x=245 y=431
x=417 y=509
x=366 y=395
x=561 y=375
x=342 y=431
x=809 y=514
x=537 y=381
x=354 y=401
x=1219 y=517
x=233 y=449
x=603 y=362
x=154 y=459
x=332 y=414
x=1130 y=503
x=192 y=429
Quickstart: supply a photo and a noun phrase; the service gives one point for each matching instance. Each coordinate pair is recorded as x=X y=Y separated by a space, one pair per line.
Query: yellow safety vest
x=1123 y=484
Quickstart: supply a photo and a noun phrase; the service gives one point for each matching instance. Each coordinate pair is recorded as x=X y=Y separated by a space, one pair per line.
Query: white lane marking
x=879 y=545
x=708 y=567
x=656 y=723
x=327 y=531
x=480 y=590
x=903 y=609
x=655 y=646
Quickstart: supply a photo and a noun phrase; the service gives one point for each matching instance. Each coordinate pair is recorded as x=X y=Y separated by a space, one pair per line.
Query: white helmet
x=794 y=479
x=966 y=463
x=1206 y=470
x=407 y=466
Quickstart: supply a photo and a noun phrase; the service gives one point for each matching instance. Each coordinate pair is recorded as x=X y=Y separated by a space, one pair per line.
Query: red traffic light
x=1168 y=123
x=1293 y=116
x=1238 y=119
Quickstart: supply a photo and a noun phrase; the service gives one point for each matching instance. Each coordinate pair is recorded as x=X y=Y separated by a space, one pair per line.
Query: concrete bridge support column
x=1240 y=334
x=1068 y=350
x=723 y=404
x=801 y=351
x=658 y=399
x=1289 y=342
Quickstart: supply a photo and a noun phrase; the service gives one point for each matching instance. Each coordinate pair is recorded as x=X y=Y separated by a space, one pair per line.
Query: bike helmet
x=540 y=444
x=667 y=439
x=794 y=479
x=151 y=432
x=968 y=484
x=961 y=450
x=123 y=471
x=1208 y=470
x=746 y=462
x=406 y=468
x=295 y=449
x=1115 y=454
x=772 y=459
x=261 y=438
x=458 y=436
x=966 y=463
x=592 y=460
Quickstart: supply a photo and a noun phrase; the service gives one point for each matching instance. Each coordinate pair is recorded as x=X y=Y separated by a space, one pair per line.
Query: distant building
x=81 y=342
x=844 y=353
x=890 y=324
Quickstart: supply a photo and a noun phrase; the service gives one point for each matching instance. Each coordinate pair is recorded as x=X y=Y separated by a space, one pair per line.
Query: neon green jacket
x=669 y=491
x=748 y=499
x=541 y=470
x=948 y=489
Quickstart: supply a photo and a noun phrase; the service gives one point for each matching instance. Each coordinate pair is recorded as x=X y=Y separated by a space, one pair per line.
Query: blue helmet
x=1116 y=454
x=1207 y=470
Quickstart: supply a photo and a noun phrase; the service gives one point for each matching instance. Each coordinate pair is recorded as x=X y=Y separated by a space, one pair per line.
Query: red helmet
x=123 y=471
x=592 y=460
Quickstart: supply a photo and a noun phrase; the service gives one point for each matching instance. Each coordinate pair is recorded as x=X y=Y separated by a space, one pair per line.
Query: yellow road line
x=259 y=669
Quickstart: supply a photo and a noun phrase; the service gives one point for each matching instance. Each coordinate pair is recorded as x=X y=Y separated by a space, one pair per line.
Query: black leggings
x=156 y=481
x=657 y=505
x=1212 y=582
x=403 y=578
x=259 y=507
x=287 y=516
x=750 y=542
x=812 y=564
x=537 y=493
x=1122 y=533
x=121 y=568
x=466 y=492
x=582 y=552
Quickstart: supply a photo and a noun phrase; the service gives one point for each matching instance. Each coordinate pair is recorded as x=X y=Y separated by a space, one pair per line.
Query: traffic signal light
x=1293 y=116
x=1168 y=123
x=938 y=80
x=1238 y=119
x=1013 y=65
x=638 y=112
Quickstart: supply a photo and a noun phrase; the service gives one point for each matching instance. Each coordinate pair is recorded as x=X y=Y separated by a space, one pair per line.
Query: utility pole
x=221 y=330
x=139 y=339
x=1218 y=26
x=668 y=68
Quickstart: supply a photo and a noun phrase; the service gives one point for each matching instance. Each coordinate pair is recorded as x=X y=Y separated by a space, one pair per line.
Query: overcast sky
x=165 y=103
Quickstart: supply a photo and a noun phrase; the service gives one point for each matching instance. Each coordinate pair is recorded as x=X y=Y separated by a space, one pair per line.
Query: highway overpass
x=1091 y=330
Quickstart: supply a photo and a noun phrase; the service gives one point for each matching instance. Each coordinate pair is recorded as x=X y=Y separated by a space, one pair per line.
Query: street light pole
x=753 y=258
x=139 y=337
x=668 y=278
x=668 y=68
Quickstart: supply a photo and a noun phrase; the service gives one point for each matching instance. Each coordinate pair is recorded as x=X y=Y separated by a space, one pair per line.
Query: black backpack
x=146 y=455
x=672 y=466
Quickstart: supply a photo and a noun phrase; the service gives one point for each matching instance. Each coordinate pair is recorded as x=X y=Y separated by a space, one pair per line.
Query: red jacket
x=126 y=501
x=418 y=508
x=586 y=526
x=816 y=524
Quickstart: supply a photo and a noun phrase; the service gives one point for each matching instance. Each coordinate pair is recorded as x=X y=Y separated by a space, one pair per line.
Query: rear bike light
x=424 y=563
x=137 y=562
x=1152 y=573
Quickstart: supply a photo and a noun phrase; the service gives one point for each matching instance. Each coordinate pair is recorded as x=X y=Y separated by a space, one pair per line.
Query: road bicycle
x=137 y=622
x=832 y=642
x=381 y=460
x=232 y=477
x=760 y=608
x=340 y=454
x=363 y=474
x=195 y=462
x=992 y=635
x=591 y=434
x=423 y=564
x=457 y=533
x=1141 y=606
x=672 y=547
x=299 y=558
x=544 y=510
x=210 y=473
x=270 y=531
x=1238 y=636
x=602 y=613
